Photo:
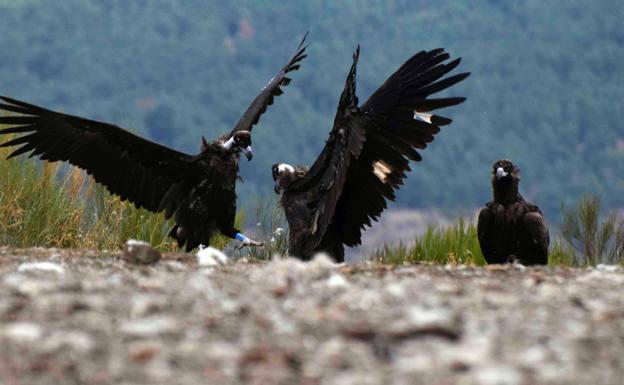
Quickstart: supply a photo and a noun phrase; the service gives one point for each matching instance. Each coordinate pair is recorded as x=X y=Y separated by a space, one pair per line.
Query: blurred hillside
x=546 y=89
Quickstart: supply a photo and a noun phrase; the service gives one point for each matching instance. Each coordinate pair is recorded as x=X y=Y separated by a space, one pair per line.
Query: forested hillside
x=547 y=84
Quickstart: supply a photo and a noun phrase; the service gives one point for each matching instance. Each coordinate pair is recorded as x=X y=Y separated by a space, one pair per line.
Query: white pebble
x=210 y=257
x=498 y=375
x=149 y=327
x=41 y=266
x=396 y=290
x=27 y=332
x=134 y=242
x=608 y=268
x=337 y=281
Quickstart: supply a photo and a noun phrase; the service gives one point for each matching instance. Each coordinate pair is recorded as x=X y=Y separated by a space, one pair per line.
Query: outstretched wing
x=367 y=155
x=271 y=90
x=328 y=174
x=136 y=169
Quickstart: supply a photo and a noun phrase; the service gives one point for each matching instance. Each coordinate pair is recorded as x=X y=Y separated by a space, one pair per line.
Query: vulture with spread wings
x=366 y=156
x=198 y=190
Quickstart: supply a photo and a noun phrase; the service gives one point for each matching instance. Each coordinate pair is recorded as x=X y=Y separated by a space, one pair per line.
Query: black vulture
x=198 y=189
x=509 y=227
x=366 y=156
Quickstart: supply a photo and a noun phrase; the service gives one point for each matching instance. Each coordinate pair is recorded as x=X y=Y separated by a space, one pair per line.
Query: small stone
x=337 y=281
x=268 y=365
x=175 y=266
x=396 y=290
x=149 y=327
x=46 y=267
x=498 y=375
x=73 y=340
x=142 y=352
x=608 y=268
x=518 y=265
x=140 y=252
x=22 y=332
x=320 y=266
x=211 y=257
x=426 y=322
x=143 y=305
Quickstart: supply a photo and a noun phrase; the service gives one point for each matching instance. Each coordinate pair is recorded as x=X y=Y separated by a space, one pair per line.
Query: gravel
x=85 y=317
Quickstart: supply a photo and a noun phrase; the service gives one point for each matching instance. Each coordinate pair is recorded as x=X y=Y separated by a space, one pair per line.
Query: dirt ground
x=87 y=318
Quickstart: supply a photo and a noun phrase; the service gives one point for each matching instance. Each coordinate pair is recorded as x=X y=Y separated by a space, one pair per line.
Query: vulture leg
x=225 y=223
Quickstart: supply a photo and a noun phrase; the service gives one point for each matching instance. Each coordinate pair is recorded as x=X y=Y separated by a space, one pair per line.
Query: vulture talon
x=246 y=241
x=249 y=243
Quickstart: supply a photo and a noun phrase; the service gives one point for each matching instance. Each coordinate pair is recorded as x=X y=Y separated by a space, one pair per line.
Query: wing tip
x=305 y=36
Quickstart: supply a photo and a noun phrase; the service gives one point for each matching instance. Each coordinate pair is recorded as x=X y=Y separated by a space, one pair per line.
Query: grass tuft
x=591 y=237
x=587 y=238
x=56 y=205
x=52 y=205
x=455 y=244
x=271 y=229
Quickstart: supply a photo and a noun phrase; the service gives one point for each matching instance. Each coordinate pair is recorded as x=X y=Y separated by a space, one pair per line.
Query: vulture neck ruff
x=228 y=144
x=505 y=190
x=284 y=167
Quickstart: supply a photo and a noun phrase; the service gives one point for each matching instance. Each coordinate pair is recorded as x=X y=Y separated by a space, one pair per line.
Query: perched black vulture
x=365 y=159
x=510 y=228
x=198 y=189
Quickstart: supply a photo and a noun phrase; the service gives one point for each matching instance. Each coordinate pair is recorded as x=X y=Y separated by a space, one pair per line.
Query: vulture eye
x=275 y=172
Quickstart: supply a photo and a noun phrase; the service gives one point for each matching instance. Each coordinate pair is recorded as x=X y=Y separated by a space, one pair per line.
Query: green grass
x=455 y=244
x=591 y=236
x=55 y=205
x=271 y=229
x=44 y=204
x=586 y=238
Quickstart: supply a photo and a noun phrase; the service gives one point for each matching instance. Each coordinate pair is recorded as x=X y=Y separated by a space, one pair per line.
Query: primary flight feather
x=366 y=156
x=197 y=190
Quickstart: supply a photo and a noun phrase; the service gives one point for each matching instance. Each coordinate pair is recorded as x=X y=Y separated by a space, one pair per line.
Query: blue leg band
x=241 y=237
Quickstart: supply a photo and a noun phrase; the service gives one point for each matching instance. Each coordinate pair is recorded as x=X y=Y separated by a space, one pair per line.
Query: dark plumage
x=366 y=155
x=198 y=189
x=511 y=228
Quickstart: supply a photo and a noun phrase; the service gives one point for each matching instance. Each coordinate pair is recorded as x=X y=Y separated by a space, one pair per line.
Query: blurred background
x=547 y=84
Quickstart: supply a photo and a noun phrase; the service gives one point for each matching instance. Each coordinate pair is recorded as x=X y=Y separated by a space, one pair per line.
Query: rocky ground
x=86 y=318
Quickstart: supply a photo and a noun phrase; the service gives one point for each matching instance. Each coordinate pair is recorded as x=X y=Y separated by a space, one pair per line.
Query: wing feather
x=265 y=98
x=383 y=134
x=132 y=167
x=538 y=230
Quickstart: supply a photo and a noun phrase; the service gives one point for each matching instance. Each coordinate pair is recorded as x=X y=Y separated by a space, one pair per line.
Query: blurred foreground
x=87 y=318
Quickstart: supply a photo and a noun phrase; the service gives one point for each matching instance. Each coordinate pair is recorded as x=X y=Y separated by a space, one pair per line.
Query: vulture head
x=504 y=172
x=284 y=174
x=240 y=142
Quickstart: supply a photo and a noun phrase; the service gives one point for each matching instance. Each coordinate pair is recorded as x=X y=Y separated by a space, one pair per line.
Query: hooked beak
x=247 y=152
x=277 y=188
x=500 y=173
